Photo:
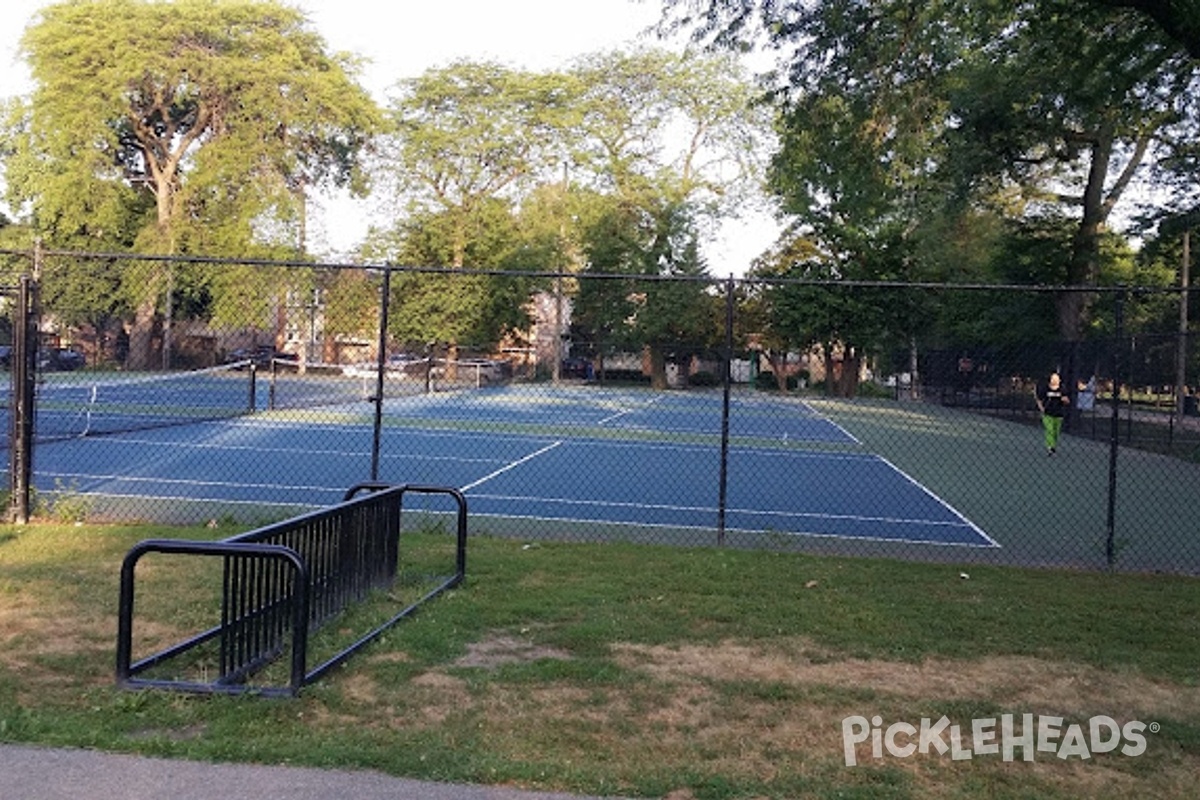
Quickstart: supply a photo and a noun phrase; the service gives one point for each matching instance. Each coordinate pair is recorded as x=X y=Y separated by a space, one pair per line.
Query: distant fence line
x=970 y=351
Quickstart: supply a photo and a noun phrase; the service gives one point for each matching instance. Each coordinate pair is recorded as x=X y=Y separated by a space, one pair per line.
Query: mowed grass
x=643 y=671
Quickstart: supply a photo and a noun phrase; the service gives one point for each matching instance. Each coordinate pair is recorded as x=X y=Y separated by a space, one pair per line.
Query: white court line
x=144 y=479
x=617 y=415
x=748 y=511
x=838 y=427
x=630 y=410
x=298 y=449
x=228 y=501
x=708 y=529
x=979 y=531
x=600 y=503
x=507 y=467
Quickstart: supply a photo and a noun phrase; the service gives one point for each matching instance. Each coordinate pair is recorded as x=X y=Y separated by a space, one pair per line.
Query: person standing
x=1053 y=402
x=1085 y=399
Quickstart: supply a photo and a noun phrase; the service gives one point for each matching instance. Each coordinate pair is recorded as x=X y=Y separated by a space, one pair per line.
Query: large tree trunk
x=778 y=362
x=914 y=379
x=451 y=371
x=658 y=368
x=141 y=336
x=851 y=366
x=841 y=375
x=1074 y=307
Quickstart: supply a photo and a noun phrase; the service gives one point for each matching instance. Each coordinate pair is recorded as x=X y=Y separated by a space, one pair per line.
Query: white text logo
x=1028 y=734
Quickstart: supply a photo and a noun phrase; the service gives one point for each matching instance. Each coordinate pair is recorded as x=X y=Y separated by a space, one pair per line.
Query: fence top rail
x=615 y=276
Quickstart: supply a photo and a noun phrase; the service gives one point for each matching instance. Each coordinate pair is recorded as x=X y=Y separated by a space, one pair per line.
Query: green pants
x=1053 y=428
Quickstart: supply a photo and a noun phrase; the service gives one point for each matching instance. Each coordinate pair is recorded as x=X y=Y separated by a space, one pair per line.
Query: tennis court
x=527 y=457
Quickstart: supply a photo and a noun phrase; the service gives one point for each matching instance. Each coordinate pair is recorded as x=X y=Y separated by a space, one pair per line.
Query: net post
x=253 y=400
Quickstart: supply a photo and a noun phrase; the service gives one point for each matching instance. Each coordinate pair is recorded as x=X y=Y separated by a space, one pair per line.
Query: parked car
x=62 y=359
x=575 y=367
x=261 y=356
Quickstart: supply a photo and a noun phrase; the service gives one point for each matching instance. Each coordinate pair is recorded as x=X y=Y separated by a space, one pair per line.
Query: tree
x=470 y=133
x=1069 y=111
x=472 y=306
x=1050 y=104
x=1179 y=19
x=776 y=314
x=668 y=318
x=689 y=121
x=500 y=168
x=221 y=114
x=470 y=141
x=668 y=143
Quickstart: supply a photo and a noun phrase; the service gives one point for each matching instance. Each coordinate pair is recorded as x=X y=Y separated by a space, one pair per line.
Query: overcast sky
x=402 y=39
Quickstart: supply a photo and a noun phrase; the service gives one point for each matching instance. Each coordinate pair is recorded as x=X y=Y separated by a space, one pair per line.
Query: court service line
x=512 y=465
x=617 y=415
x=630 y=410
x=299 y=449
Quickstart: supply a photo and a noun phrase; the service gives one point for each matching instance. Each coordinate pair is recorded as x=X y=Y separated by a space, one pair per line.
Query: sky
x=403 y=38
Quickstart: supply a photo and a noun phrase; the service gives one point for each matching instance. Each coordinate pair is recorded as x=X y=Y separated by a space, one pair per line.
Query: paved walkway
x=35 y=773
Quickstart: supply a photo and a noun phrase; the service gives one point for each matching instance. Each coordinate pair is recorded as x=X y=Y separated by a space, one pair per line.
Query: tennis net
x=73 y=405
x=332 y=385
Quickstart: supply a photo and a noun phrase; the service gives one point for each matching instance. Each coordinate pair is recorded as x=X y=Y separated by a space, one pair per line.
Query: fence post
x=1110 y=546
x=727 y=380
x=24 y=364
x=1181 y=348
x=380 y=364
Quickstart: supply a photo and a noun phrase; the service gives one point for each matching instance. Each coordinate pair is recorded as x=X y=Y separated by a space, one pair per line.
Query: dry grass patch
x=438 y=696
x=500 y=649
x=1019 y=681
x=760 y=737
x=34 y=628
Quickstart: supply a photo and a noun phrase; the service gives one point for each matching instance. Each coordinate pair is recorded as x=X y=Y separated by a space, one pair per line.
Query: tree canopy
x=615 y=164
x=175 y=127
x=902 y=121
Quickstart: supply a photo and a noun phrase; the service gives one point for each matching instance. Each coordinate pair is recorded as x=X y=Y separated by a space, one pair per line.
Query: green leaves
x=215 y=111
x=180 y=127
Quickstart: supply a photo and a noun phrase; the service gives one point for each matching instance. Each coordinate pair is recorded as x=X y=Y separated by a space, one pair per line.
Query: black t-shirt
x=1054 y=401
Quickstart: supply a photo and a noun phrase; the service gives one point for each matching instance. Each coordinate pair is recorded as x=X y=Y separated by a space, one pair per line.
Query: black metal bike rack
x=281 y=582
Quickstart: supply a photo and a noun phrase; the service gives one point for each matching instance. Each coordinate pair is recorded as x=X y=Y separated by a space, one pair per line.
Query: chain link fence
x=885 y=420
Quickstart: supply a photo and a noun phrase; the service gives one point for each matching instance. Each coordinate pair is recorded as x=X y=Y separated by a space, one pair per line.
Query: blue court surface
x=605 y=459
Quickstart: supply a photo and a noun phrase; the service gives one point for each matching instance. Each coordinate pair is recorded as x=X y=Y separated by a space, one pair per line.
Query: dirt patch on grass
x=32 y=626
x=767 y=709
x=502 y=648
x=436 y=696
x=185 y=733
x=1039 y=685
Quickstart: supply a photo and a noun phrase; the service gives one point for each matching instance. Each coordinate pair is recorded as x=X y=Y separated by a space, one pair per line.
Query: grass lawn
x=645 y=671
